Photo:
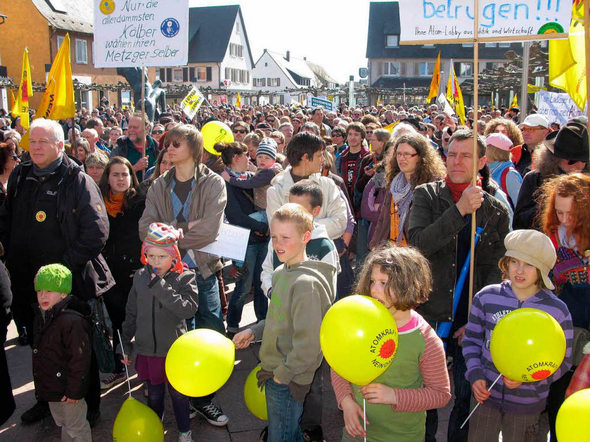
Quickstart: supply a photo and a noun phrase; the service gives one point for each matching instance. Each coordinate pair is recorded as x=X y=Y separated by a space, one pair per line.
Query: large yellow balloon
x=573 y=418
x=358 y=338
x=200 y=362
x=137 y=422
x=216 y=132
x=527 y=345
x=254 y=397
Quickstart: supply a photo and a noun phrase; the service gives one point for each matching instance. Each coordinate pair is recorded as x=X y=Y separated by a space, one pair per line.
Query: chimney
x=304 y=58
x=288 y=56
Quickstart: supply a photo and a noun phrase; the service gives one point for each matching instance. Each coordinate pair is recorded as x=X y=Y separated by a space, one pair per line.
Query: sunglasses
x=157 y=132
x=271 y=120
x=175 y=144
x=239 y=131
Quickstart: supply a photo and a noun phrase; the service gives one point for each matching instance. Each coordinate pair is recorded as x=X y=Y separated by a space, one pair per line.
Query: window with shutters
x=391 y=69
x=236 y=50
x=162 y=75
x=177 y=75
x=201 y=73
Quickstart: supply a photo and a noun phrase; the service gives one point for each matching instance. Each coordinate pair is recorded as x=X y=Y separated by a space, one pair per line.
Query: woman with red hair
x=566 y=220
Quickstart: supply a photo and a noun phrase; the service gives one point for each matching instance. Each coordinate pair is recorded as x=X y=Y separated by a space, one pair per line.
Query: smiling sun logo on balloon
x=107 y=6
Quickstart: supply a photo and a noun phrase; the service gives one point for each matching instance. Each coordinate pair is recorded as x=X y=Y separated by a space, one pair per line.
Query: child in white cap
x=511 y=406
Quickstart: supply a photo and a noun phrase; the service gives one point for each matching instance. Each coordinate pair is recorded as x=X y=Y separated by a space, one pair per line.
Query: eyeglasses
x=239 y=131
x=271 y=121
x=175 y=144
x=369 y=132
x=405 y=155
x=157 y=132
x=336 y=134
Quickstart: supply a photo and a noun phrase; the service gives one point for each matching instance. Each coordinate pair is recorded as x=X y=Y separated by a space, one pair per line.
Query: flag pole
x=587 y=43
x=475 y=153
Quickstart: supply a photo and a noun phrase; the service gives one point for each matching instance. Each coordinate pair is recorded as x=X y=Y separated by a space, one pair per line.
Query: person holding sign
x=512 y=406
x=440 y=226
x=139 y=148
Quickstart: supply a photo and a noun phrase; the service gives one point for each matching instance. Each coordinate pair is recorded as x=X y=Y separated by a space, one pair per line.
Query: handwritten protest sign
x=231 y=242
x=557 y=107
x=428 y=20
x=134 y=33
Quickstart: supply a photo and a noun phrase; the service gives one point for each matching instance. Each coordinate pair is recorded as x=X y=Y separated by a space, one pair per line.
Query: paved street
x=242 y=427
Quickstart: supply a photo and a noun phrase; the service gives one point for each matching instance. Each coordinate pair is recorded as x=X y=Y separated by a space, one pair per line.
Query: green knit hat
x=54 y=278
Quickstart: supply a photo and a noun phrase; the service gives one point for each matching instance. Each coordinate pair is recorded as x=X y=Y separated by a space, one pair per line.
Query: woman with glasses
x=412 y=162
x=8 y=160
x=157 y=133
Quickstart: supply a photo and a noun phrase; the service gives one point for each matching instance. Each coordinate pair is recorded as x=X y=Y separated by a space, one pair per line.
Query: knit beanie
x=54 y=278
x=164 y=237
x=267 y=146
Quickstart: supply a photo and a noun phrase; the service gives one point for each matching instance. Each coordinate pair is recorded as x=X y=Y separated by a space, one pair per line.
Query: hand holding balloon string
x=353 y=413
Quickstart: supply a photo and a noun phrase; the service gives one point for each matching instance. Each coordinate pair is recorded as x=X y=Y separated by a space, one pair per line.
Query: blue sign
x=170 y=27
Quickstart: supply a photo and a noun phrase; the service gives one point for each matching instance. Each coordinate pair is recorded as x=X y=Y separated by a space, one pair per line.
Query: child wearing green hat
x=61 y=351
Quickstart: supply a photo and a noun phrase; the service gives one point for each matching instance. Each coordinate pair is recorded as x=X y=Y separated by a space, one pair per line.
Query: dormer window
x=392 y=41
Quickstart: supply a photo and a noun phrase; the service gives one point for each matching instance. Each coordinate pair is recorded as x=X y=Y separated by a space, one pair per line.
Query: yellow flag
x=379 y=100
x=531 y=88
x=58 y=101
x=567 y=63
x=514 y=101
x=454 y=95
x=390 y=127
x=239 y=100
x=435 y=83
x=25 y=91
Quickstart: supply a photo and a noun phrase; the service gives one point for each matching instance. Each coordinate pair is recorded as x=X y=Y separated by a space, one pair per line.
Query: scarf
x=458 y=188
x=46 y=171
x=401 y=193
x=114 y=204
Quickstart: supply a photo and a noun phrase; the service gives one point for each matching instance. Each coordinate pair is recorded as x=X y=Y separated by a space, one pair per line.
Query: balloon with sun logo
x=359 y=338
x=527 y=345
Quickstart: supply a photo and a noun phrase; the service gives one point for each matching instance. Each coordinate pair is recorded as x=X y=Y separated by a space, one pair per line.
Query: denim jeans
x=460 y=409
x=209 y=313
x=284 y=413
x=255 y=255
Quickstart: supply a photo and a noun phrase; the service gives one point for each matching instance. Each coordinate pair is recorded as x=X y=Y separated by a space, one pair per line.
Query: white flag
x=444 y=105
x=192 y=102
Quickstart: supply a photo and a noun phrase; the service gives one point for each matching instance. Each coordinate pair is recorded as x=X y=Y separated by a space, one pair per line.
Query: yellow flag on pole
x=514 y=101
x=25 y=91
x=379 y=100
x=435 y=82
x=454 y=95
x=567 y=63
x=239 y=100
x=58 y=101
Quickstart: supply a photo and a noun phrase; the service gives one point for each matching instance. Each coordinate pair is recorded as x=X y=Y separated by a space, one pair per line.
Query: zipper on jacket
x=154 y=323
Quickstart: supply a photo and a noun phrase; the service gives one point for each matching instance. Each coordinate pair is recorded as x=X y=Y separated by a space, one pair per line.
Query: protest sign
x=140 y=33
x=505 y=20
x=192 y=102
x=557 y=107
x=316 y=101
x=231 y=242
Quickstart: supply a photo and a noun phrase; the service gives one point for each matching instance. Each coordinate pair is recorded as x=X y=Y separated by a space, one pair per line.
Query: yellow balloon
x=254 y=397
x=200 y=362
x=216 y=132
x=137 y=422
x=573 y=418
x=359 y=338
x=527 y=345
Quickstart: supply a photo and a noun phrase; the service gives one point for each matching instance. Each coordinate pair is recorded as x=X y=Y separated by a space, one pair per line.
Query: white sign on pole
x=231 y=242
x=192 y=102
x=557 y=107
x=428 y=20
x=140 y=33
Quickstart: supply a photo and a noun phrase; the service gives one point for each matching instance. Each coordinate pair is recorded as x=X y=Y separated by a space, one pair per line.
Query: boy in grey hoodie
x=302 y=292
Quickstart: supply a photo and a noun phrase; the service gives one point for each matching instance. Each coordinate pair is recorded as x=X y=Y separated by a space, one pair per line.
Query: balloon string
x=478 y=404
x=126 y=370
x=365 y=417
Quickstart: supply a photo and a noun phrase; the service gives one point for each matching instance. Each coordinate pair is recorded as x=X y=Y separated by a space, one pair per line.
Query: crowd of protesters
x=87 y=192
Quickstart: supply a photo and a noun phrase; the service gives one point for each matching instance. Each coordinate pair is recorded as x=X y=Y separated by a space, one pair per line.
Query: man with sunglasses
x=562 y=152
x=534 y=129
x=239 y=130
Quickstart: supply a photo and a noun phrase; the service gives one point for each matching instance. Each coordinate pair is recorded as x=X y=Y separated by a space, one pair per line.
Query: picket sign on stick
x=409 y=6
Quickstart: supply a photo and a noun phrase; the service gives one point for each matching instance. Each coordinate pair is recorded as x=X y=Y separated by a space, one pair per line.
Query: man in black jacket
x=54 y=213
x=440 y=226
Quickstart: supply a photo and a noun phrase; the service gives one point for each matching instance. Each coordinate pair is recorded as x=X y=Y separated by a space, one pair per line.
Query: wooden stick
x=587 y=43
x=143 y=137
x=475 y=150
